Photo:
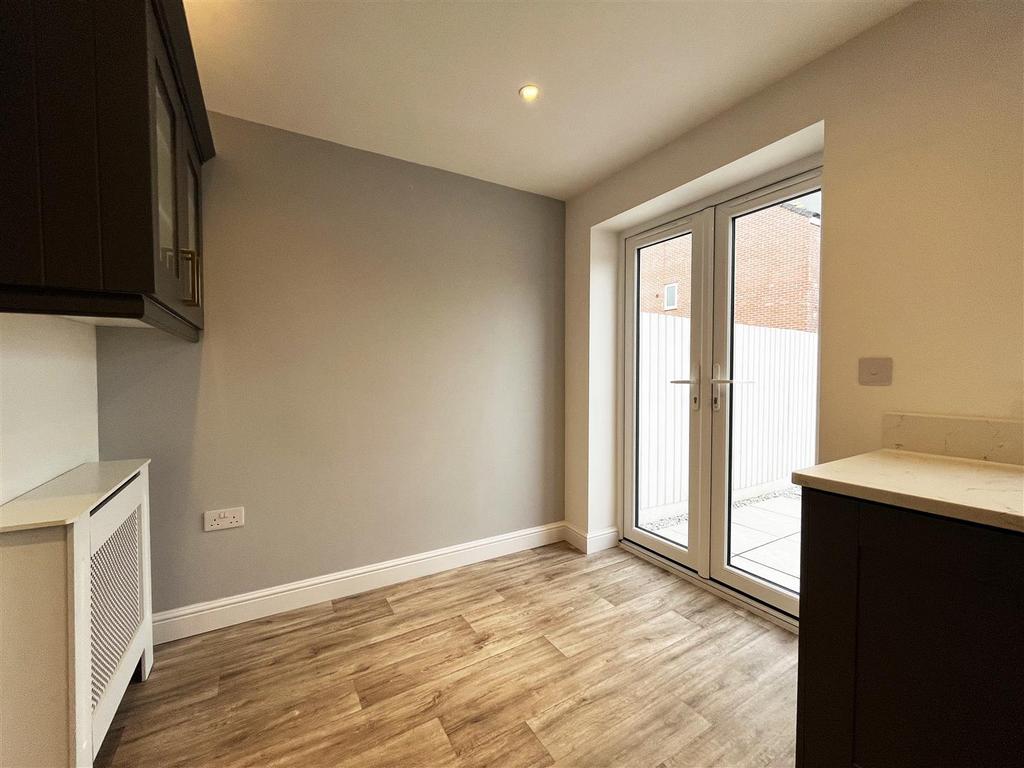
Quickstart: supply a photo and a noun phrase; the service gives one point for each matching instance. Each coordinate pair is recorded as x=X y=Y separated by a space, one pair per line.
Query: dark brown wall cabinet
x=104 y=136
x=911 y=639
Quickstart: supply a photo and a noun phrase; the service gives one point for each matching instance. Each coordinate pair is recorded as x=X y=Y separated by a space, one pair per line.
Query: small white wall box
x=77 y=614
x=874 y=371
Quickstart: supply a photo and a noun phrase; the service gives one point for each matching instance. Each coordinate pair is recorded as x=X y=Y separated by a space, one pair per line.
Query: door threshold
x=756 y=607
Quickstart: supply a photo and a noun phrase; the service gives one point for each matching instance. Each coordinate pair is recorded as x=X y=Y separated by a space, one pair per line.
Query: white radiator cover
x=116 y=600
x=120 y=615
x=76 y=610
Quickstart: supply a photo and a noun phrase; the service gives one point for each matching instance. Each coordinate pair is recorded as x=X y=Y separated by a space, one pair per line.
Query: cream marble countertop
x=966 y=489
x=69 y=496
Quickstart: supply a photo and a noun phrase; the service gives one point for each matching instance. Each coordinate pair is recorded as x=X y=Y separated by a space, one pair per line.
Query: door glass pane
x=191 y=264
x=663 y=409
x=192 y=212
x=773 y=400
x=165 y=164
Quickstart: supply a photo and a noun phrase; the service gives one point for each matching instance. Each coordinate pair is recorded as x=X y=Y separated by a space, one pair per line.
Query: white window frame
x=675 y=296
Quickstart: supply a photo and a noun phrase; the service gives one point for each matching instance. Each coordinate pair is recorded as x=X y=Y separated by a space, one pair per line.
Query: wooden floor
x=540 y=658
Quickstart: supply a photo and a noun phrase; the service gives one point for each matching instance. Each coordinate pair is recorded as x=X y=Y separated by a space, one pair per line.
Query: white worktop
x=982 y=492
x=69 y=496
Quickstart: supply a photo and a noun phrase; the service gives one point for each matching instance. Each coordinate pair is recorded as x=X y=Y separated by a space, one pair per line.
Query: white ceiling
x=436 y=82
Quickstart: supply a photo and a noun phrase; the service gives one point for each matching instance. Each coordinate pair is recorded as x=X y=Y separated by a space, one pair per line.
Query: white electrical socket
x=216 y=519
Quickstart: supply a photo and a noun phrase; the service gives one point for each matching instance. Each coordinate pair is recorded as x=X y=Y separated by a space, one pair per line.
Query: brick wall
x=661 y=265
x=777 y=253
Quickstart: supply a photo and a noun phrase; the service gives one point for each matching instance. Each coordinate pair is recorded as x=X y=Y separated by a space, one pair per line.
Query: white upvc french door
x=665 y=382
x=720 y=386
x=764 y=385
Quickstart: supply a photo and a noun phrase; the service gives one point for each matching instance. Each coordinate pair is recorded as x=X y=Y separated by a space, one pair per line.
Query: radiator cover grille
x=116 y=596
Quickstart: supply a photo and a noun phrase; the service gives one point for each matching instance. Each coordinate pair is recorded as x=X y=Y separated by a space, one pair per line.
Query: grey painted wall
x=381 y=375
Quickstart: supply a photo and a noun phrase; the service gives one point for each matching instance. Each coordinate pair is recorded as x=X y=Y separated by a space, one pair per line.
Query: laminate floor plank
x=606 y=714
x=359 y=609
x=516 y=747
x=495 y=682
x=637 y=580
x=352 y=639
x=468 y=723
x=565 y=570
x=537 y=659
x=514 y=623
x=451 y=634
x=425 y=746
x=488 y=574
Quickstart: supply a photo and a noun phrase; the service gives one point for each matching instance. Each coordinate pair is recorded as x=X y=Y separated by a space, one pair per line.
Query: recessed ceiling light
x=529 y=92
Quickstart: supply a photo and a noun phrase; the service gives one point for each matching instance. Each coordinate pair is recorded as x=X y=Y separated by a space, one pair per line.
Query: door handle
x=194 y=263
x=718 y=381
x=694 y=395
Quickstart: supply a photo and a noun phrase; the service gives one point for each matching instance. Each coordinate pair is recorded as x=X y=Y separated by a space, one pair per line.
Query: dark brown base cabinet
x=104 y=135
x=911 y=639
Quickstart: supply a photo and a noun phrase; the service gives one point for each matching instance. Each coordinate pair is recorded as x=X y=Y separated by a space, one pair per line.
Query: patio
x=764 y=534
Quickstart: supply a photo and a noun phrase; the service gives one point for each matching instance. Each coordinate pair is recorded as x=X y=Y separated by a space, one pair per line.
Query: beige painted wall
x=47 y=400
x=381 y=373
x=923 y=237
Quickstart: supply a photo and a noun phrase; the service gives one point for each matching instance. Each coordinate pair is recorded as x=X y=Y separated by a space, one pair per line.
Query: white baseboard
x=576 y=538
x=589 y=543
x=215 y=614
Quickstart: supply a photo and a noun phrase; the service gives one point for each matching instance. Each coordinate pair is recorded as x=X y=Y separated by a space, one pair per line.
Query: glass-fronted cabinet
x=107 y=136
x=165 y=139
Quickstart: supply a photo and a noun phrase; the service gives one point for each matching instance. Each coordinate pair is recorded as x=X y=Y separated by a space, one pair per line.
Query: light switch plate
x=216 y=519
x=875 y=371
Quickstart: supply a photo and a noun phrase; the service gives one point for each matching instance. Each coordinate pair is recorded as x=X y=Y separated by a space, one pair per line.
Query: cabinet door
x=910 y=634
x=940 y=628
x=176 y=256
x=826 y=677
x=50 y=199
x=190 y=241
x=166 y=165
x=125 y=111
x=22 y=261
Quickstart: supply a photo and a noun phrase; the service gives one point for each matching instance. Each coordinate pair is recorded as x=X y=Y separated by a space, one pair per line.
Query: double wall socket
x=216 y=519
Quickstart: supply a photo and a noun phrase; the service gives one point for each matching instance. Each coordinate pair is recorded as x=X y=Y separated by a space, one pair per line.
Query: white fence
x=773 y=427
x=663 y=448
